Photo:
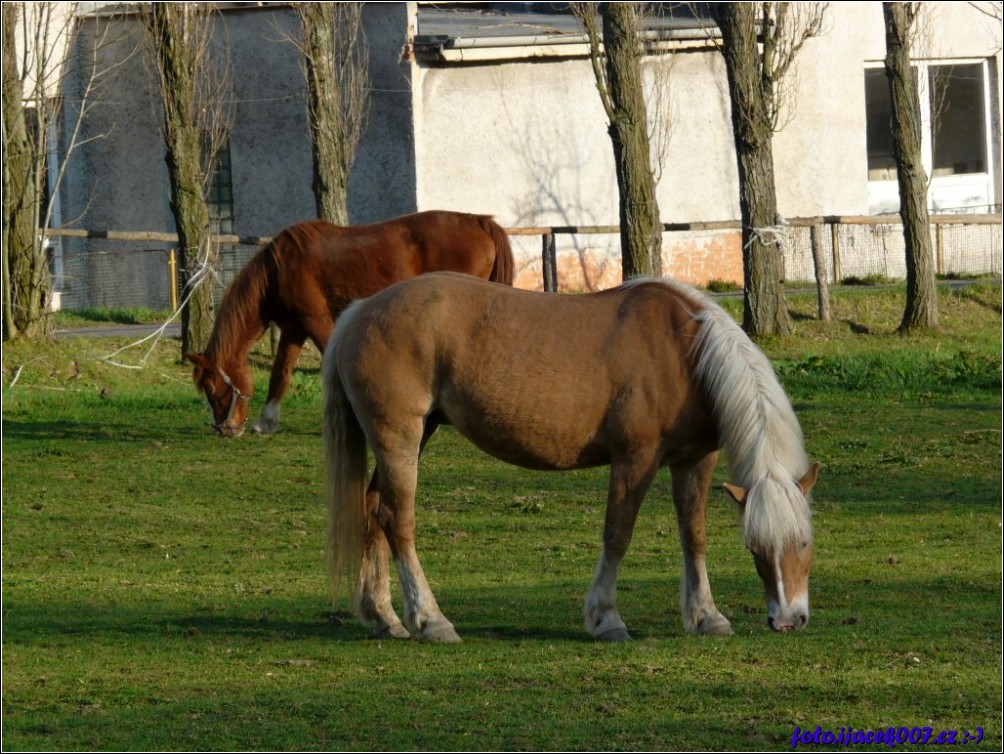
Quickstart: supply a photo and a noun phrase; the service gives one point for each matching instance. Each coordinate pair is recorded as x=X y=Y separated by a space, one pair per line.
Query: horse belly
x=530 y=434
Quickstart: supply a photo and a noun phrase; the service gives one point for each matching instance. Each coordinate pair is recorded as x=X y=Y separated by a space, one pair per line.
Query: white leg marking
x=700 y=615
x=421 y=611
x=269 y=420
x=602 y=618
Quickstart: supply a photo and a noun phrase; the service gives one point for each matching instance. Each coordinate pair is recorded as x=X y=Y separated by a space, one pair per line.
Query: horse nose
x=792 y=623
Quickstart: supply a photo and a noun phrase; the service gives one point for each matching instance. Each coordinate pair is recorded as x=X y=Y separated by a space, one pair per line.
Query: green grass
x=98 y=316
x=874 y=279
x=723 y=286
x=164 y=589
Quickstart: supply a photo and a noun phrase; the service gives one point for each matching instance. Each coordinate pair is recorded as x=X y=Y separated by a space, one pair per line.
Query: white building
x=492 y=108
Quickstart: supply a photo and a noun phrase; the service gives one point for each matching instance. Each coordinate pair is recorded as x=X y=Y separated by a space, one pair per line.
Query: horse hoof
x=615 y=635
x=396 y=631
x=442 y=633
x=717 y=625
x=261 y=428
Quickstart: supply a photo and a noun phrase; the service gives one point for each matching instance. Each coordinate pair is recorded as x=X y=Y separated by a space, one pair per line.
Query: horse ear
x=201 y=365
x=809 y=479
x=737 y=493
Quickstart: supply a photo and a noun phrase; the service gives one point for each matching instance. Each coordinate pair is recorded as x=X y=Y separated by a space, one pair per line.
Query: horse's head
x=778 y=533
x=228 y=398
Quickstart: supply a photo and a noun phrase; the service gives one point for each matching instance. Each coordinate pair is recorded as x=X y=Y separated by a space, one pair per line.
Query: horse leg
x=373 y=597
x=629 y=481
x=373 y=594
x=690 y=496
x=397 y=455
x=290 y=344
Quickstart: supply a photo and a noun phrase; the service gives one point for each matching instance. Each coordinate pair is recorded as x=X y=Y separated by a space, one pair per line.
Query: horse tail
x=504 y=269
x=345 y=453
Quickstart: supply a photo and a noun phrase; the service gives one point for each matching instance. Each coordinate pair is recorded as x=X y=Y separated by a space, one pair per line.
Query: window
x=956 y=150
x=220 y=192
x=958 y=119
x=878 y=105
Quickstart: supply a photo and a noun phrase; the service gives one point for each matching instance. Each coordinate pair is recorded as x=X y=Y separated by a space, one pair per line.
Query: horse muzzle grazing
x=786 y=586
x=236 y=417
x=230 y=430
x=228 y=404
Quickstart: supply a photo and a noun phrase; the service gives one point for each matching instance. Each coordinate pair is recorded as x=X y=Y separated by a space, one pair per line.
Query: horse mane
x=242 y=303
x=756 y=424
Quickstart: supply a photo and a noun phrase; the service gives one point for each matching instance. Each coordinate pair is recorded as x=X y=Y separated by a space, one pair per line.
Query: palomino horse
x=646 y=375
x=308 y=274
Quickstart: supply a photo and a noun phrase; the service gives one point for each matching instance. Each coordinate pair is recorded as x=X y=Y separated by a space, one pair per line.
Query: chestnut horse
x=308 y=274
x=646 y=375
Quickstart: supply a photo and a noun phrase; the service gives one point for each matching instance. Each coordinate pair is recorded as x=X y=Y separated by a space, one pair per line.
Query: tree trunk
x=337 y=93
x=197 y=254
x=179 y=61
x=330 y=182
x=641 y=226
x=27 y=285
x=764 y=309
x=921 y=296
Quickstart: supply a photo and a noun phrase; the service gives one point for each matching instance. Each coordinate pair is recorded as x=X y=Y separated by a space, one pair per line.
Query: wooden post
x=835 y=244
x=822 y=286
x=172 y=271
x=550 y=263
x=939 y=245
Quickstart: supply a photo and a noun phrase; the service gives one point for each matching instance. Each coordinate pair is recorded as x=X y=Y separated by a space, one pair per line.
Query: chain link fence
x=134 y=278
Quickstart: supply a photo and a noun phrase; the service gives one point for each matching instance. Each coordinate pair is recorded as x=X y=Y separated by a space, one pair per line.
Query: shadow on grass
x=893 y=599
x=100 y=432
x=26 y=623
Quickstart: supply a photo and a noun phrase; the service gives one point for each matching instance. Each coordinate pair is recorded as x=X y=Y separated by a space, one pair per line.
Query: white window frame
x=966 y=193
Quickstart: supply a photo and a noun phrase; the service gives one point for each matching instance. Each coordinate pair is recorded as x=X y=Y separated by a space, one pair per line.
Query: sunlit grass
x=164 y=589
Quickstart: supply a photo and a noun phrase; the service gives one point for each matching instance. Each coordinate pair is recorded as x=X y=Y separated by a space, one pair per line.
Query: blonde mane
x=757 y=427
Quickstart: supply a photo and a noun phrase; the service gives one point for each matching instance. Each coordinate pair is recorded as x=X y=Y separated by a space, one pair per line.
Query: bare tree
x=921 y=296
x=20 y=260
x=617 y=68
x=335 y=66
x=30 y=75
x=196 y=102
x=760 y=43
x=992 y=10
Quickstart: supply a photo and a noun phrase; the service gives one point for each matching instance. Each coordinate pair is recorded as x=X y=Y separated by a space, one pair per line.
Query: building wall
x=524 y=140
x=269 y=141
x=382 y=183
x=539 y=124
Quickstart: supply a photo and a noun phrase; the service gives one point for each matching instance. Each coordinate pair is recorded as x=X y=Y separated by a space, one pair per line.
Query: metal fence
x=112 y=273
x=132 y=278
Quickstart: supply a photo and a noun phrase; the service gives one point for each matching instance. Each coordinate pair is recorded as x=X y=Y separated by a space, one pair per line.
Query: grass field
x=165 y=590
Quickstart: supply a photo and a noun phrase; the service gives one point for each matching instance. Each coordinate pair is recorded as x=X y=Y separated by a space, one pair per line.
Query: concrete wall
x=382 y=183
x=121 y=179
x=269 y=140
x=539 y=124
